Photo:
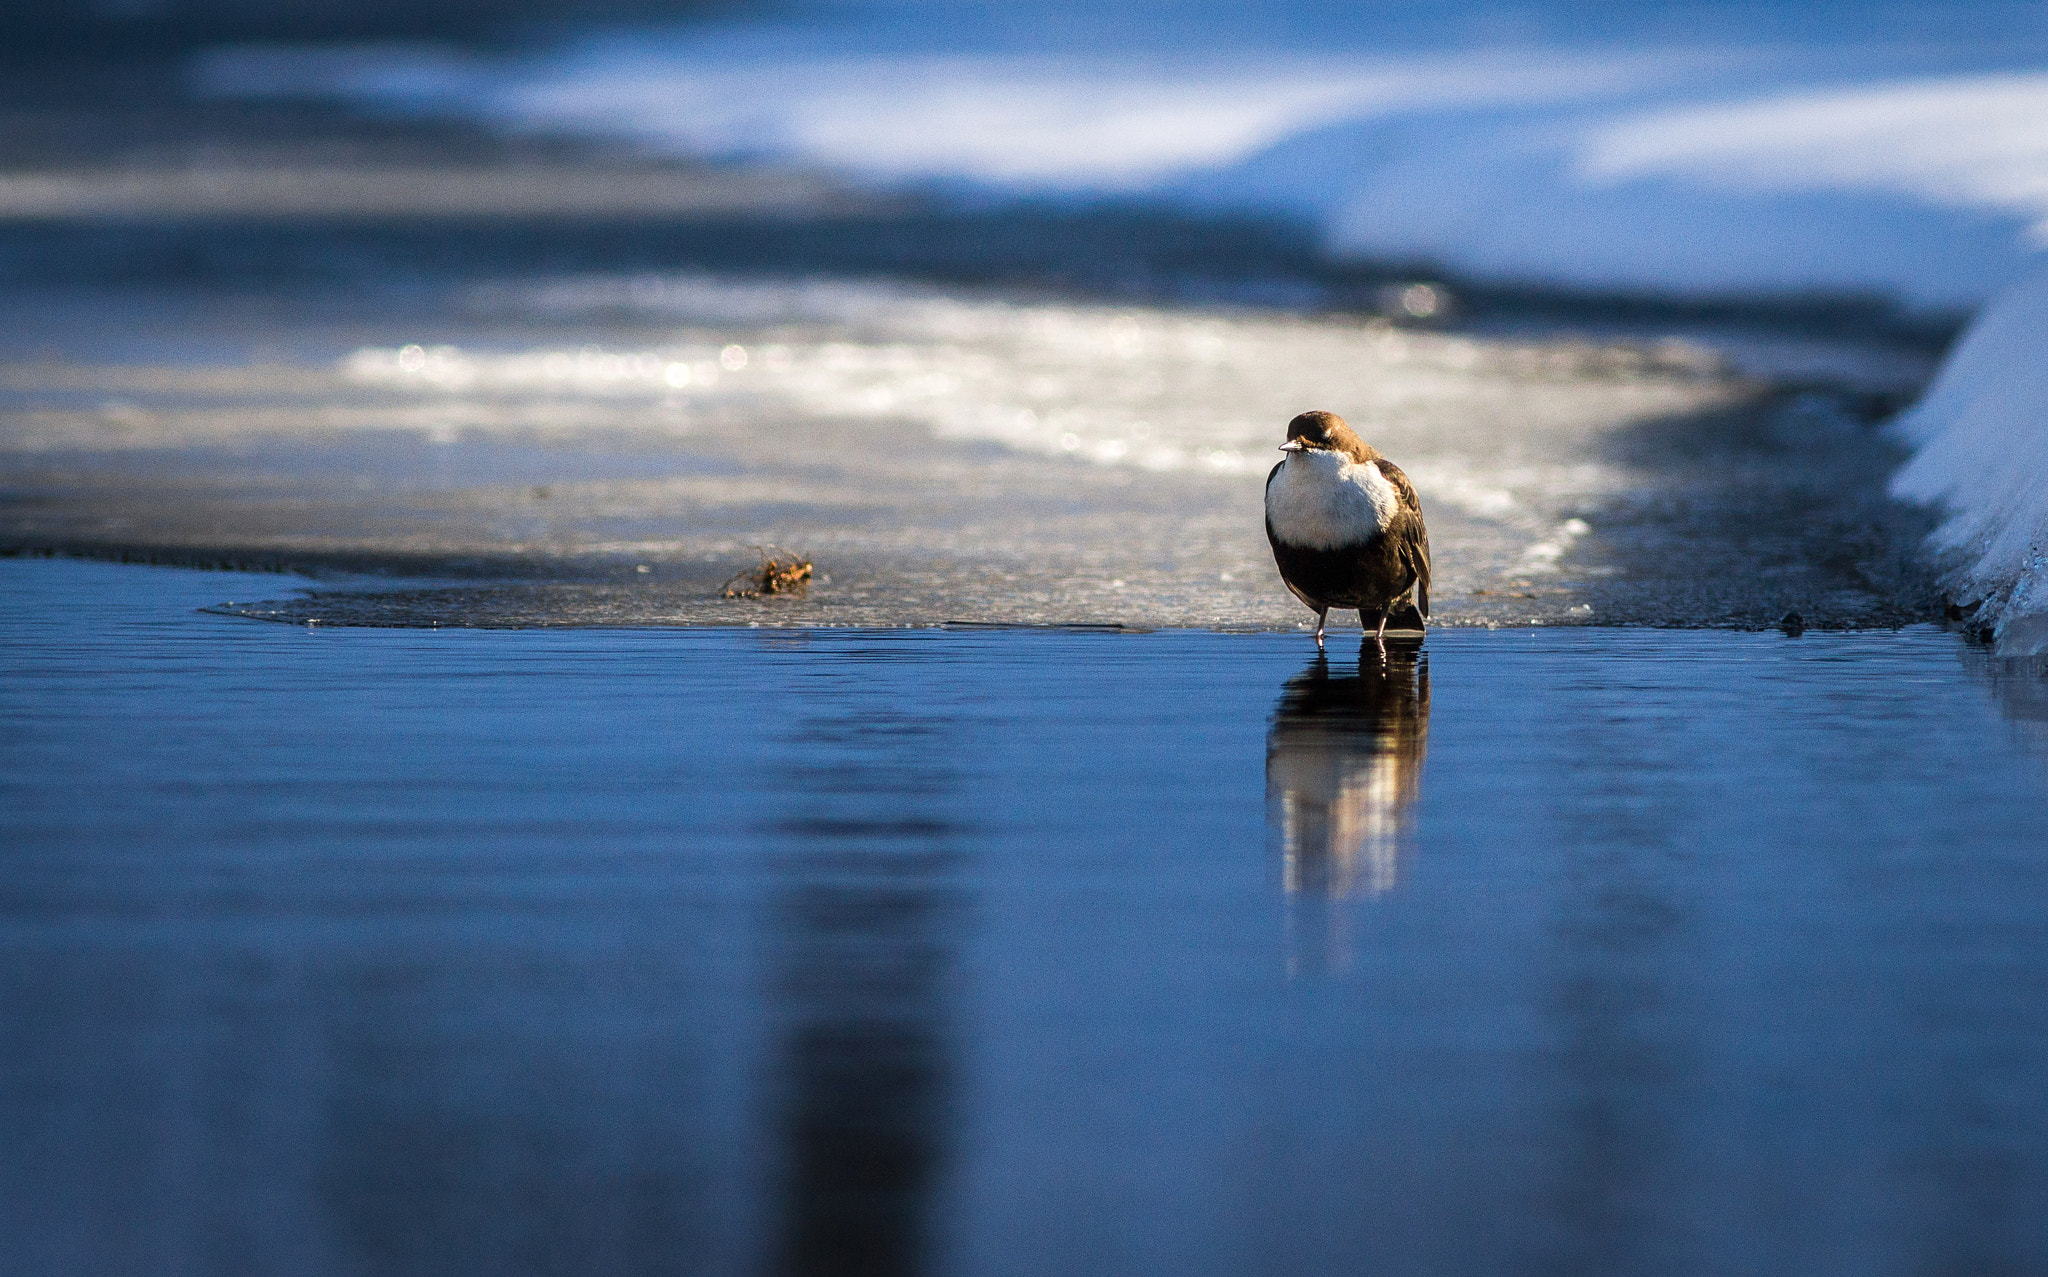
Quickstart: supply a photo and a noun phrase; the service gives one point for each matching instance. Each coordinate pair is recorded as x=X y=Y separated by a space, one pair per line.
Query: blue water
x=730 y=951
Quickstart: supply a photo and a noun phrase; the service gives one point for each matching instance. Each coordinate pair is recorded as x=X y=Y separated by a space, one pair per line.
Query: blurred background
x=1869 y=154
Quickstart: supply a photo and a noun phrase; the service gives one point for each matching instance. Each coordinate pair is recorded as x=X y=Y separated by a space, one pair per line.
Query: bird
x=1346 y=527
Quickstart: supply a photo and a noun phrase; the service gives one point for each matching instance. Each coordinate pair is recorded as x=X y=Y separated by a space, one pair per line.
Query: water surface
x=1000 y=951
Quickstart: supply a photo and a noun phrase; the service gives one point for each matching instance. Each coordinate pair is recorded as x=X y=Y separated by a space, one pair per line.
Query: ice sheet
x=610 y=449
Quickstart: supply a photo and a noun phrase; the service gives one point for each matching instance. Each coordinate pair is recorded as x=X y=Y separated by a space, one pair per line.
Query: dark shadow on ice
x=1772 y=504
x=1343 y=769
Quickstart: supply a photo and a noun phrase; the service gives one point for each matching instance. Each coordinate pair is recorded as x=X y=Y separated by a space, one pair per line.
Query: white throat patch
x=1322 y=500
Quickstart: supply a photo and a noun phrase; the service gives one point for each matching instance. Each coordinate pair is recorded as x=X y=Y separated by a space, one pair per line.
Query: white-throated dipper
x=1346 y=527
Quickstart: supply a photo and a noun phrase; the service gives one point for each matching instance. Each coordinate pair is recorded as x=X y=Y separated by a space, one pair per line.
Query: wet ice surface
x=1577 y=950
x=607 y=450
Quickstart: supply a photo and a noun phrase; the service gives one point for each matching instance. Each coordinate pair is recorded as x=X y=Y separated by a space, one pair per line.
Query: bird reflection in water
x=1343 y=767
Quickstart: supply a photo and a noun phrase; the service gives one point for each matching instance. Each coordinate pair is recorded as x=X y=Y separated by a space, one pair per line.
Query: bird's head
x=1325 y=432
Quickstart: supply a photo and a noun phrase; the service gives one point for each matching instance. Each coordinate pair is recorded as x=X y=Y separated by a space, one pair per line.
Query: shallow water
x=716 y=951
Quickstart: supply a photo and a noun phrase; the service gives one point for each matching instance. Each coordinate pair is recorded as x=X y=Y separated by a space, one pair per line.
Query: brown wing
x=1414 y=545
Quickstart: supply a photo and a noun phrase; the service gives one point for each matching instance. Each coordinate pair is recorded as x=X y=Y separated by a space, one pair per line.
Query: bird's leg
x=1321 y=613
x=1381 y=632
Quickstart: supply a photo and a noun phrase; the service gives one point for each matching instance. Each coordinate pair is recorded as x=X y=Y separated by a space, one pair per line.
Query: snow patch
x=1963 y=142
x=1981 y=438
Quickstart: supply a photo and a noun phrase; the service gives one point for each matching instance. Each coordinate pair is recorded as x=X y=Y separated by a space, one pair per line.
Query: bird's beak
x=1292 y=445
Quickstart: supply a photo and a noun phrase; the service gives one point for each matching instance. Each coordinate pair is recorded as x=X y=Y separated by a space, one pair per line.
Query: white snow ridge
x=1981 y=440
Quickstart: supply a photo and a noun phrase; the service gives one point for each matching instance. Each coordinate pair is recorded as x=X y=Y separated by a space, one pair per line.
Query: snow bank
x=1981 y=454
x=1839 y=164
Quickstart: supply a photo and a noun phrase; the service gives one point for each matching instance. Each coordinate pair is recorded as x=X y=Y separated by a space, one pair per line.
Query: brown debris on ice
x=780 y=573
